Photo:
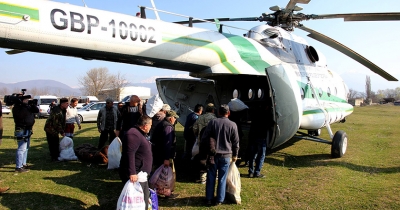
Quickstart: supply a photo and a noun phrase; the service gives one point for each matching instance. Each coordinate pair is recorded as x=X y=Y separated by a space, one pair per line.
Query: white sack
x=154 y=105
x=236 y=105
x=114 y=153
x=67 y=149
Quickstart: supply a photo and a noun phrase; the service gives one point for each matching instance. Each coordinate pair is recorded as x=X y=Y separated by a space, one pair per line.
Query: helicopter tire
x=339 y=144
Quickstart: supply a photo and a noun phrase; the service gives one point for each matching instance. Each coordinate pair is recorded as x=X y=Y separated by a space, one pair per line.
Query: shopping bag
x=233 y=184
x=131 y=197
x=195 y=149
x=114 y=153
x=163 y=181
x=153 y=200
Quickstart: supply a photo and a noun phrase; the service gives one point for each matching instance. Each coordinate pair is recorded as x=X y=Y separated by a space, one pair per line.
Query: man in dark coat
x=188 y=133
x=221 y=134
x=164 y=143
x=136 y=154
x=130 y=114
x=24 y=119
x=54 y=126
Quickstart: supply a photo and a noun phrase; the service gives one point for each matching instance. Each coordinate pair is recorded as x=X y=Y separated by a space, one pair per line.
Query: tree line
x=91 y=83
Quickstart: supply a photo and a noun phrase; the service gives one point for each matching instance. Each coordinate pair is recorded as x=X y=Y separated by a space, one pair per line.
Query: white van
x=43 y=104
x=86 y=99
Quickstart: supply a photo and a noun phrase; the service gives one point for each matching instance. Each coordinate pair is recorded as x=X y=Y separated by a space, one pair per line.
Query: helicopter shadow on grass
x=275 y=156
x=16 y=201
x=91 y=178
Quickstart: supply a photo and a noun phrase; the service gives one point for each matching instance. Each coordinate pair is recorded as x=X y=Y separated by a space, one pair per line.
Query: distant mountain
x=52 y=87
x=35 y=87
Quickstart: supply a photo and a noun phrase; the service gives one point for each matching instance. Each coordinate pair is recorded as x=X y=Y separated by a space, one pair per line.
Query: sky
x=376 y=40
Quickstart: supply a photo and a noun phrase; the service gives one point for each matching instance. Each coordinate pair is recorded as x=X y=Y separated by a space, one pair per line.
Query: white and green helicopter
x=267 y=66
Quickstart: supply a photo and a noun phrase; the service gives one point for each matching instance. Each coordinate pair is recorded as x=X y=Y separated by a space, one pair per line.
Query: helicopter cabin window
x=320 y=92
x=302 y=93
x=235 y=93
x=250 y=94
x=335 y=91
x=329 y=92
x=260 y=93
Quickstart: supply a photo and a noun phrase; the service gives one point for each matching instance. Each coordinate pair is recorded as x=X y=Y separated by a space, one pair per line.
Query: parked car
x=43 y=104
x=83 y=99
x=89 y=112
x=396 y=103
x=5 y=110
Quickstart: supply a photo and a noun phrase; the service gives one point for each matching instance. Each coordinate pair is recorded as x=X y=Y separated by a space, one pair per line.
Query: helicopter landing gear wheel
x=314 y=132
x=339 y=144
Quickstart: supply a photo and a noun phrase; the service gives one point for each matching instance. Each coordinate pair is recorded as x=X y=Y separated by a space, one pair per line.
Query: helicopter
x=267 y=66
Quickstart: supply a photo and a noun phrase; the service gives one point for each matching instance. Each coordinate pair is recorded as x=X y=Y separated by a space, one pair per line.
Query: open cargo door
x=183 y=94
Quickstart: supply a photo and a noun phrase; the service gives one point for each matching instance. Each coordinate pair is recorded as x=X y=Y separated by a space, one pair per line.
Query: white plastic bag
x=196 y=148
x=154 y=105
x=131 y=197
x=236 y=105
x=67 y=149
x=233 y=184
x=114 y=153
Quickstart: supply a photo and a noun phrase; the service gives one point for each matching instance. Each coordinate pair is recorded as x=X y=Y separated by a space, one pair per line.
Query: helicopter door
x=183 y=94
x=286 y=110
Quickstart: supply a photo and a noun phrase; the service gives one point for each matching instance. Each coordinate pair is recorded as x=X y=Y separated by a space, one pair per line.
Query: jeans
x=258 y=156
x=221 y=165
x=22 y=152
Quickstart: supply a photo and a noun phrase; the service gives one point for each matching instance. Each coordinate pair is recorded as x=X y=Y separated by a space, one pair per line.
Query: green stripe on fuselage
x=205 y=44
x=318 y=111
x=15 y=11
x=248 y=52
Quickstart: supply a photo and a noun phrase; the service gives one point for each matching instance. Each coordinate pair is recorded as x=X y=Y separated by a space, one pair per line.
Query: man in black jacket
x=130 y=113
x=164 y=143
x=2 y=189
x=136 y=154
x=24 y=119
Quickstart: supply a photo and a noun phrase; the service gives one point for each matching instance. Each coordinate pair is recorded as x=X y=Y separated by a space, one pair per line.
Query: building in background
x=142 y=92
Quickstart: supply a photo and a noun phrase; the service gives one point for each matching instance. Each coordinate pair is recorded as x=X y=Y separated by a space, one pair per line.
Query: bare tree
x=4 y=91
x=367 y=90
x=95 y=80
x=34 y=91
x=117 y=82
x=353 y=93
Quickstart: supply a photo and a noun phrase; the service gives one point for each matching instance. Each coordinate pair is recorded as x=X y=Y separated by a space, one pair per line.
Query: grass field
x=300 y=176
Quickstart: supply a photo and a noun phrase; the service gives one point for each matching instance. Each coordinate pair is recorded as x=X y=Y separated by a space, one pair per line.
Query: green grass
x=302 y=176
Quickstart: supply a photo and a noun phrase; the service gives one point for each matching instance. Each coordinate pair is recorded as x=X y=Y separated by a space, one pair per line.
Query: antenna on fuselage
x=155 y=10
x=84 y=3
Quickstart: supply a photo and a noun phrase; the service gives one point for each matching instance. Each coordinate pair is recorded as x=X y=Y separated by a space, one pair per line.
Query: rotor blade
x=361 y=16
x=13 y=52
x=292 y=3
x=220 y=19
x=347 y=51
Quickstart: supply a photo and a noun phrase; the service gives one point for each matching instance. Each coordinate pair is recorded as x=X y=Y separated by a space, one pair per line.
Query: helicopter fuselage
x=269 y=66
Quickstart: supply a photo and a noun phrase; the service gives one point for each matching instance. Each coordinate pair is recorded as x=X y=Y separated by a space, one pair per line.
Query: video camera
x=18 y=98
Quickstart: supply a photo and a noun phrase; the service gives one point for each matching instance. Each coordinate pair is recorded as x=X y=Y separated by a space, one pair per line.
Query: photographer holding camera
x=24 y=119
